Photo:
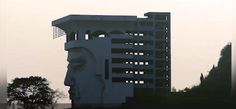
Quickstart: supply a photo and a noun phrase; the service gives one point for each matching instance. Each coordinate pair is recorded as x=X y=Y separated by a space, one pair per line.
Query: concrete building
x=115 y=57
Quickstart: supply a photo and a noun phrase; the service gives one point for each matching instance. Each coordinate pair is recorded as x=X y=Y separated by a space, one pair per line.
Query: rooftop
x=93 y=18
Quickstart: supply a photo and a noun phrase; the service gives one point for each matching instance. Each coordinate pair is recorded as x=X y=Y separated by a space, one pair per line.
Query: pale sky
x=200 y=29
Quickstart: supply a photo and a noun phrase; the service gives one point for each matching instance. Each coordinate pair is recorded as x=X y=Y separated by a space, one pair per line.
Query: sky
x=199 y=30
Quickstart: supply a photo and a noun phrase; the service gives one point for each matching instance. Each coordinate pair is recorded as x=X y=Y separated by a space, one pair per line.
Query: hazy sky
x=200 y=29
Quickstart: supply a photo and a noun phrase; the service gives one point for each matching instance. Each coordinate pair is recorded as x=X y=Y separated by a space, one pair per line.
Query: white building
x=115 y=57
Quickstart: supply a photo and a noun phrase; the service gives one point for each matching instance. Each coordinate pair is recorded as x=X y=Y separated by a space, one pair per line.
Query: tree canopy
x=218 y=82
x=32 y=92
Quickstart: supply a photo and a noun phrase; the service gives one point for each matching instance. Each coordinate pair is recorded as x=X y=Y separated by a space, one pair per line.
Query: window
x=136 y=72
x=141 y=63
x=141 y=82
x=101 y=35
x=86 y=37
x=71 y=37
x=131 y=81
x=136 y=82
x=146 y=63
x=140 y=53
x=140 y=43
x=141 y=72
x=140 y=34
x=106 y=69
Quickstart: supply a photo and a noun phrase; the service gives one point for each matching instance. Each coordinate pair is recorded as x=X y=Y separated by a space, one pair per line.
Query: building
x=115 y=57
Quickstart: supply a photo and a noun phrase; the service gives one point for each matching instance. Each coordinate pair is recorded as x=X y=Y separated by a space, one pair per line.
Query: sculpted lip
x=70 y=91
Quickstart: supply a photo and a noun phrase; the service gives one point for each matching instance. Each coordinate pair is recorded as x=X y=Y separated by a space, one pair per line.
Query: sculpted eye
x=79 y=64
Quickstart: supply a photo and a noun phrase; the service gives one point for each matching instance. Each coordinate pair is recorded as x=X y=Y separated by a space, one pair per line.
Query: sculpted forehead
x=79 y=54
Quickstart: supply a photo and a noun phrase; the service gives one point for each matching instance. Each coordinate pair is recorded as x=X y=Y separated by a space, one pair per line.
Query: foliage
x=218 y=82
x=212 y=93
x=173 y=89
x=55 y=96
x=32 y=92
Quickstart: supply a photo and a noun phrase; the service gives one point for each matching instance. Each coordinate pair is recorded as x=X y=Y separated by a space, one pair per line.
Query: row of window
x=135 y=82
x=137 y=63
x=75 y=36
x=134 y=34
x=140 y=43
x=135 y=72
x=135 y=53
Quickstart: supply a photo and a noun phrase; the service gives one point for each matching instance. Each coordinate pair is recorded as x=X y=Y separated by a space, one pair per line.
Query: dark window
x=72 y=36
x=106 y=69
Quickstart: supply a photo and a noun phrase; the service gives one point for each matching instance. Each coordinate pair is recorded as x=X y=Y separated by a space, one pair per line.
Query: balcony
x=122 y=56
x=121 y=36
x=123 y=46
x=144 y=57
x=121 y=65
x=126 y=75
x=143 y=38
x=143 y=76
x=145 y=85
x=144 y=66
x=144 y=47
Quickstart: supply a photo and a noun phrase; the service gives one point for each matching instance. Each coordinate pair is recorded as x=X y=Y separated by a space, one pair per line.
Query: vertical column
x=154 y=54
x=169 y=51
x=81 y=35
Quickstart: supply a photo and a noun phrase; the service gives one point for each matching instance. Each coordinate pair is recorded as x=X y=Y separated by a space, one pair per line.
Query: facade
x=115 y=57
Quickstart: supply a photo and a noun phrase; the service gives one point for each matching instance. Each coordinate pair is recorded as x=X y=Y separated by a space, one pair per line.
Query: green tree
x=218 y=82
x=173 y=89
x=55 y=96
x=32 y=92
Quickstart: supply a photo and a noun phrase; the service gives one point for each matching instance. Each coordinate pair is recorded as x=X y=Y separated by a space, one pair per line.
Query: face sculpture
x=85 y=86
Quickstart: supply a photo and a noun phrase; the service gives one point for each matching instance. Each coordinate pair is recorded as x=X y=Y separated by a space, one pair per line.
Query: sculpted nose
x=69 y=79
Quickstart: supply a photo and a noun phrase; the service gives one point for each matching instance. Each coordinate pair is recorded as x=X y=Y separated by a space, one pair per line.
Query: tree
x=218 y=82
x=201 y=78
x=32 y=92
x=174 y=89
x=55 y=96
